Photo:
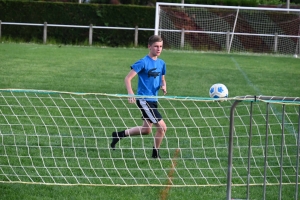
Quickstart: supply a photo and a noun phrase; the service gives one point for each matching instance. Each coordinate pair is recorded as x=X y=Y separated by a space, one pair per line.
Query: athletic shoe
x=115 y=140
x=155 y=153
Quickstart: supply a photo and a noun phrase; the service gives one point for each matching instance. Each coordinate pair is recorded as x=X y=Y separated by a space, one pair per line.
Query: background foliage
x=76 y=14
x=118 y=13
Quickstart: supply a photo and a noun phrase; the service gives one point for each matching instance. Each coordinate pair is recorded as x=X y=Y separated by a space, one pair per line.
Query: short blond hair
x=153 y=39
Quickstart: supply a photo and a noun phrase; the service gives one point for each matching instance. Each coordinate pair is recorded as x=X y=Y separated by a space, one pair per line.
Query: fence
x=282 y=44
x=136 y=29
x=288 y=48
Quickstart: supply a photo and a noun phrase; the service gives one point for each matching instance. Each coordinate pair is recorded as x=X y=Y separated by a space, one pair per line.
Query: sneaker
x=115 y=140
x=155 y=153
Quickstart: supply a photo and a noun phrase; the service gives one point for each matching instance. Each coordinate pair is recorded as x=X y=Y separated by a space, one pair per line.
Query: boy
x=151 y=77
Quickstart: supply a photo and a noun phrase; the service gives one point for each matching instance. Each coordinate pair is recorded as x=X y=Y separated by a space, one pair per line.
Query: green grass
x=102 y=70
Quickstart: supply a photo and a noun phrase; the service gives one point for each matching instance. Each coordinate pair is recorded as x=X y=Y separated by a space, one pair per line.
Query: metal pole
x=249 y=149
x=157 y=13
x=297 y=161
x=230 y=149
x=233 y=29
x=281 y=151
x=266 y=152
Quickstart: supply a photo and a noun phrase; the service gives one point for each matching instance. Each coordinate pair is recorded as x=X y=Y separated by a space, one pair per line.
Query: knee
x=146 y=131
x=165 y=129
x=162 y=130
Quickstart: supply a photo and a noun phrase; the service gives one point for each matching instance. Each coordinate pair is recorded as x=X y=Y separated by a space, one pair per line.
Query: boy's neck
x=152 y=57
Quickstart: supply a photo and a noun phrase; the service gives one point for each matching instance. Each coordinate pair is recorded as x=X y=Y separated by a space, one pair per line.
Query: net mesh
x=52 y=137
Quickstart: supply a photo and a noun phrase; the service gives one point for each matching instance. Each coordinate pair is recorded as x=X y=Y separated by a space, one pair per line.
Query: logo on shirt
x=152 y=73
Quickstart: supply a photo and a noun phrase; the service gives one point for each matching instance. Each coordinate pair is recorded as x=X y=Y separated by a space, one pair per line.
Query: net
x=50 y=137
x=228 y=28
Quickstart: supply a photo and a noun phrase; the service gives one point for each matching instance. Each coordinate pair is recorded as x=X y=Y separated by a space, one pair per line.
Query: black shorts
x=149 y=110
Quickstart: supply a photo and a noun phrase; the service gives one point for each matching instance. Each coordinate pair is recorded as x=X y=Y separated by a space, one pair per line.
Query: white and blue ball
x=218 y=90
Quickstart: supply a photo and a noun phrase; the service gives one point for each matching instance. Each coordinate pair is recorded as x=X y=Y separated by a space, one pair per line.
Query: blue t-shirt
x=149 y=72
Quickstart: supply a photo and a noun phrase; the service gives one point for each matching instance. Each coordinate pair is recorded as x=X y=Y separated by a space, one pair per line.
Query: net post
x=249 y=148
x=233 y=29
x=230 y=149
x=297 y=157
x=281 y=151
x=266 y=152
x=157 y=11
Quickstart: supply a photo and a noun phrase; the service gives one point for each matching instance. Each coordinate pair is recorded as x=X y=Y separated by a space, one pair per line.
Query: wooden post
x=45 y=33
x=91 y=35
x=136 y=36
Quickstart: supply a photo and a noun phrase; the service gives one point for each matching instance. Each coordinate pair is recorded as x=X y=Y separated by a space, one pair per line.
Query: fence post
x=45 y=33
x=182 y=38
x=227 y=40
x=0 y=29
x=91 y=35
x=276 y=43
x=136 y=36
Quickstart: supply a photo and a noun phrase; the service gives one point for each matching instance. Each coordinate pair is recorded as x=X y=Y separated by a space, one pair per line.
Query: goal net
x=227 y=28
x=49 y=137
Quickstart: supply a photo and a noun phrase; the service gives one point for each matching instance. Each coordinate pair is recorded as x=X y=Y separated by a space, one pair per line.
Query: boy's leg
x=160 y=133
x=116 y=136
x=139 y=130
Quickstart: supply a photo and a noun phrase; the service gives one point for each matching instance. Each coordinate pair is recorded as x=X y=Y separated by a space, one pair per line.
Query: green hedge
x=76 y=14
x=86 y=14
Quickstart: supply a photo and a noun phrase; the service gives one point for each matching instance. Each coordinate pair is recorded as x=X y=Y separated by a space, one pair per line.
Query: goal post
x=278 y=146
x=197 y=27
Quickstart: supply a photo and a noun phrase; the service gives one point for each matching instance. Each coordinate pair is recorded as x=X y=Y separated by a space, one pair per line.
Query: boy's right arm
x=127 y=81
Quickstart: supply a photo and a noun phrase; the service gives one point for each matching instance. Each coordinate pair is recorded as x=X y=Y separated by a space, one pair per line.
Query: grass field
x=102 y=70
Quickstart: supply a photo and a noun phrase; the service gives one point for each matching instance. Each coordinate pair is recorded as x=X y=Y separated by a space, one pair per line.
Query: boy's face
x=155 y=48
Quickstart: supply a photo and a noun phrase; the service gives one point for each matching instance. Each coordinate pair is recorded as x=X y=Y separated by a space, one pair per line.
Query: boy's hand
x=131 y=99
x=164 y=89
